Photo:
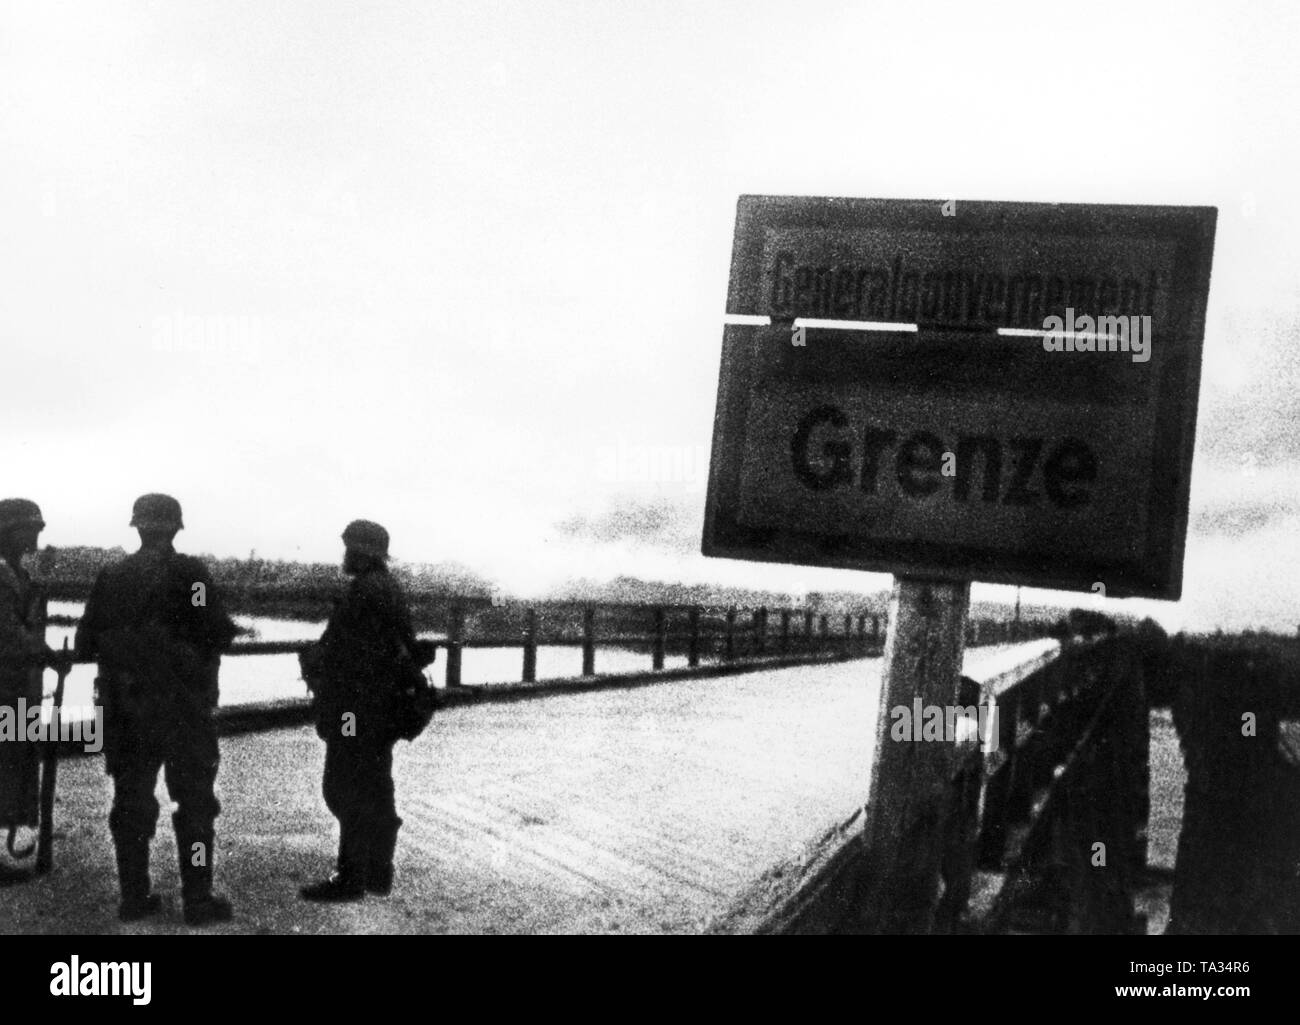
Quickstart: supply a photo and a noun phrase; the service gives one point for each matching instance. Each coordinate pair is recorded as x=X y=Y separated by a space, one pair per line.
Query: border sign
x=935 y=445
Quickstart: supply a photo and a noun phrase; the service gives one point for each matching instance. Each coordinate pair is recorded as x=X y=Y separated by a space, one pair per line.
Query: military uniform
x=22 y=637
x=353 y=674
x=157 y=627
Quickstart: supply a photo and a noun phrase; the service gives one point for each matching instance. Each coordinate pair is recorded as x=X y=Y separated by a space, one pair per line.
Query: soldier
x=354 y=673
x=157 y=626
x=22 y=640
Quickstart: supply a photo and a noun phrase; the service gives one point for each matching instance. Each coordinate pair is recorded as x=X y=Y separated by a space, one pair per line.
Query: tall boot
x=349 y=879
x=379 y=864
x=133 y=879
x=202 y=906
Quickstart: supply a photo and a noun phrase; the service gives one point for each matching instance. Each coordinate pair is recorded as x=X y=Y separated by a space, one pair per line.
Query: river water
x=249 y=679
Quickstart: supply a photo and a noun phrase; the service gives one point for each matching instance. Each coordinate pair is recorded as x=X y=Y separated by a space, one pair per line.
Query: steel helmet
x=20 y=512
x=366 y=537
x=156 y=510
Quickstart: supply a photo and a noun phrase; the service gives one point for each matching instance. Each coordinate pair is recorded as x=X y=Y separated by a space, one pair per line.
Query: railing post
x=693 y=641
x=589 y=642
x=530 y=646
x=731 y=634
x=996 y=820
x=875 y=631
x=657 y=654
x=455 y=629
x=862 y=632
x=760 y=630
x=785 y=631
x=826 y=630
x=808 y=630
x=848 y=633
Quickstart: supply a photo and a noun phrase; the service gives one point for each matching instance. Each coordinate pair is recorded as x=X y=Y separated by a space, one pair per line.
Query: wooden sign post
x=911 y=776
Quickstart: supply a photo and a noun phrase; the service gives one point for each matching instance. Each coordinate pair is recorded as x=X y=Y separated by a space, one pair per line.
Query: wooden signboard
x=939 y=446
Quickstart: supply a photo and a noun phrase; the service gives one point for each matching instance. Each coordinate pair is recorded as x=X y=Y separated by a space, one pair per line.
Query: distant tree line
x=305 y=590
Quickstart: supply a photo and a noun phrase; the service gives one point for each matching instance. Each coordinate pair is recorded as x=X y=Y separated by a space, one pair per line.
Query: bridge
x=660 y=802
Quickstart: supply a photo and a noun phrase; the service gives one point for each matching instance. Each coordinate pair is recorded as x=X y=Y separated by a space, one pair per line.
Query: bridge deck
x=637 y=810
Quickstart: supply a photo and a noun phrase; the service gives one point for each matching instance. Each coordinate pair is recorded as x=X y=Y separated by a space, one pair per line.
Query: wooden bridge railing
x=1065 y=798
x=694 y=631
x=1050 y=823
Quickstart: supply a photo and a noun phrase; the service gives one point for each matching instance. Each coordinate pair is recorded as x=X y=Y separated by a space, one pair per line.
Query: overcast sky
x=461 y=267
